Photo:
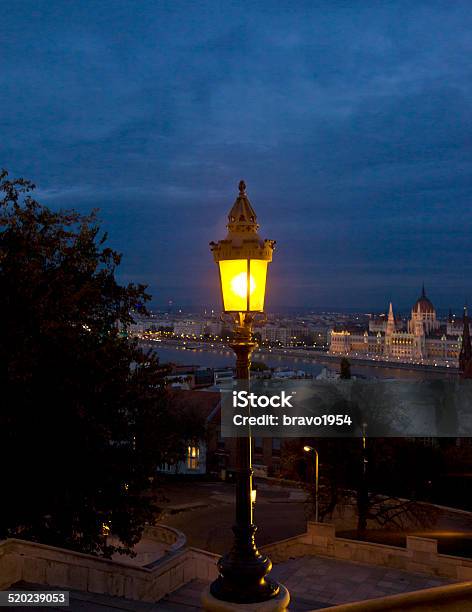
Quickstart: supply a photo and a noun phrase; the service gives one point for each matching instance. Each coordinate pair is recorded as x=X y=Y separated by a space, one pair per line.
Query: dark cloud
x=351 y=123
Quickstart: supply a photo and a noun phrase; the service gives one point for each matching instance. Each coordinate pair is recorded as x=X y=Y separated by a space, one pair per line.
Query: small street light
x=309 y=449
x=363 y=492
x=243 y=259
x=364 y=449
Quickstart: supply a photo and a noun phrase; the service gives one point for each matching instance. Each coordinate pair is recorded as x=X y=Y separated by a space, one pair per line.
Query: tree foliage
x=84 y=416
x=384 y=490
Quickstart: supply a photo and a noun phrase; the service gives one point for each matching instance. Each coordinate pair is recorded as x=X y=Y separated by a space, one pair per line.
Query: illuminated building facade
x=424 y=339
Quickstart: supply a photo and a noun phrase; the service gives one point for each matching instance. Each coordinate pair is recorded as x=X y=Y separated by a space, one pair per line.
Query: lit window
x=193 y=454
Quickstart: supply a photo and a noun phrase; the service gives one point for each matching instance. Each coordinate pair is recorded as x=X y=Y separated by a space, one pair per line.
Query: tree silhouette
x=84 y=416
x=345 y=369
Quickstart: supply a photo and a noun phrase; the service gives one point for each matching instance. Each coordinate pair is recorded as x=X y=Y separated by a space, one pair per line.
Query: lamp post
x=363 y=493
x=242 y=259
x=309 y=449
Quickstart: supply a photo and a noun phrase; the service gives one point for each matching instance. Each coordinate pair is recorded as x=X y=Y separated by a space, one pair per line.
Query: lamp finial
x=242 y=188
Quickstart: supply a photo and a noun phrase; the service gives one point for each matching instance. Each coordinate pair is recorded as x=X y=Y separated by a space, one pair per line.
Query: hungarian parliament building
x=421 y=339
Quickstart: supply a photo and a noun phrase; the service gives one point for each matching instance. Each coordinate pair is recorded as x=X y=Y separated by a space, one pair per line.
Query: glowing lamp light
x=239 y=285
x=243 y=283
x=242 y=259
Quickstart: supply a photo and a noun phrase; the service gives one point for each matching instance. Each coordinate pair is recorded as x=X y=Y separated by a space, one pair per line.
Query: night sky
x=351 y=123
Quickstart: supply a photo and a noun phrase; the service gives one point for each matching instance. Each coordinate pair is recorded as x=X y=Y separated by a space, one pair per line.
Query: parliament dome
x=423 y=304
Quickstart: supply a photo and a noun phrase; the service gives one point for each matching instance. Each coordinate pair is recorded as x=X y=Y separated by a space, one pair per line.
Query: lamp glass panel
x=233 y=274
x=234 y=284
x=258 y=274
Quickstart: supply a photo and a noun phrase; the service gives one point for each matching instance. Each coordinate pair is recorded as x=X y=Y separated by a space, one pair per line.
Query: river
x=209 y=357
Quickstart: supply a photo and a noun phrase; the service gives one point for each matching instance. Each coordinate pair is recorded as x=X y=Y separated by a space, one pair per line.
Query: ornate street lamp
x=242 y=259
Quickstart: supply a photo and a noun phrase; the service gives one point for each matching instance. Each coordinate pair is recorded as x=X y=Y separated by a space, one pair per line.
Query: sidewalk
x=316 y=583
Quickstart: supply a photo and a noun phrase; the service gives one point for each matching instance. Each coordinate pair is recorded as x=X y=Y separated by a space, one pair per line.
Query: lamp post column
x=243 y=348
x=243 y=570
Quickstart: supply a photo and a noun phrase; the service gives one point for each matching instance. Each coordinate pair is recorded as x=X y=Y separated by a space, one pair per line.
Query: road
x=205 y=513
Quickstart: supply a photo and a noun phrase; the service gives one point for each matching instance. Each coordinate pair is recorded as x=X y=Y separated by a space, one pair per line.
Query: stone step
x=187 y=598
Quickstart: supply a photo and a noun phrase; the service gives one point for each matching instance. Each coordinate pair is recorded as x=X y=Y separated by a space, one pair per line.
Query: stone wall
x=173 y=538
x=420 y=555
x=56 y=567
x=46 y=565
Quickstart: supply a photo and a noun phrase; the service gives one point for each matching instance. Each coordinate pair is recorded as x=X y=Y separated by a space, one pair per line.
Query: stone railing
x=56 y=567
x=46 y=565
x=420 y=555
x=449 y=598
x=174 y=539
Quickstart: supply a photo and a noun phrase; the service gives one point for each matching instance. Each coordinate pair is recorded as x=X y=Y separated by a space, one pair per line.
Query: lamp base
x=276 y=604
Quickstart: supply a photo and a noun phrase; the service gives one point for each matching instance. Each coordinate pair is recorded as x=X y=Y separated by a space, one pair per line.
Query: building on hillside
x=213 y=327
x=141 y=325
x=197 y=461
x=189 y=328
x=424 y=340
x=213 y=455
x=273 y=334
x=288 y=335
